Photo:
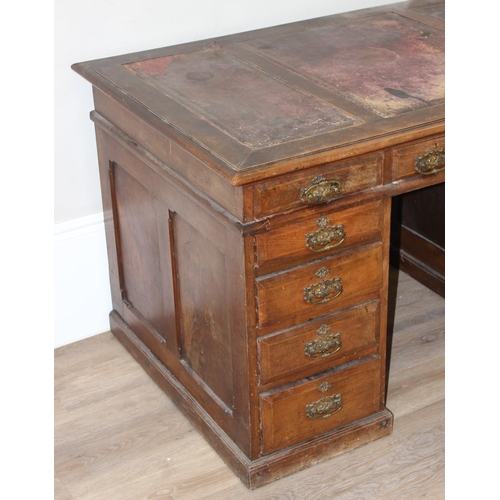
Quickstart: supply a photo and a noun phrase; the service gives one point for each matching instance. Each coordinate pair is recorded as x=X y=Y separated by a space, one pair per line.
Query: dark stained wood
x=147 y=141
x=284 y=193
x=141 y=309
x=136 y=444
x=270 y=467
x=202 y=280
x=189 y=405
x=423 y=250
x=285 y=246
x=403 y=159
x=283 y=356
x=281 y=296
x=423 y=212
x=143 y=288
x=284 y=412
x=384 y=350
x=240 y=177
x=252 y=363
x=110 y=222
x=281 y=463
x=418 y=236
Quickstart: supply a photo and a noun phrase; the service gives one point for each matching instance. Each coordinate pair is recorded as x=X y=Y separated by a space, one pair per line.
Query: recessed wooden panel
x=294 y=243
x=281 y=300
x=203 y=293
x=140 y=263
x=285 y=193
x=284 y=357
x=284 y=413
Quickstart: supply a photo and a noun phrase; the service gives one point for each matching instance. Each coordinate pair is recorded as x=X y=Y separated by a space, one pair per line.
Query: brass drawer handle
x=430 y=163
x=325 y=407
x=325 y=238
x=320 y=189
x=325 y=346
x=323 y=291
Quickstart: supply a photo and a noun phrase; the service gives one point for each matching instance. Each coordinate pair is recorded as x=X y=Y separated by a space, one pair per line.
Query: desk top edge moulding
x=388 y=79
x=247 y=184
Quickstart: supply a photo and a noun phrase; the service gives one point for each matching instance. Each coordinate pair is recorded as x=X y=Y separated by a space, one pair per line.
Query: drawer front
x=318 y=346
x=292 y=297
x=422 y=158
x=317 y=185
x=317 y=406
x=318 y=236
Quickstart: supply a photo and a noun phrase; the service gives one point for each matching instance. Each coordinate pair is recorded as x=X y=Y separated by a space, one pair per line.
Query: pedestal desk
x=247 y=185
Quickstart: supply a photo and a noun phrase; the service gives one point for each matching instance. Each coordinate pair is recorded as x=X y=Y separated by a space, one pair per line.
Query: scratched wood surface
x=117 y=436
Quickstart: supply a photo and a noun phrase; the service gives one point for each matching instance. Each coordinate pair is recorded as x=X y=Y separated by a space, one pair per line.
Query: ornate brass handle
x=320 y=189
x=326 y=345
x=324 y=290
x=325 y=238
x=325 y=407
x=430 y=163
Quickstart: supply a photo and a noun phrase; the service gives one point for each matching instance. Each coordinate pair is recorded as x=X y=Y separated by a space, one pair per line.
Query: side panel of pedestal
x=177 y=273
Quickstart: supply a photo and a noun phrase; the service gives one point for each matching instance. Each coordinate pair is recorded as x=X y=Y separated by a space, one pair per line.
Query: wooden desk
x=247 y=185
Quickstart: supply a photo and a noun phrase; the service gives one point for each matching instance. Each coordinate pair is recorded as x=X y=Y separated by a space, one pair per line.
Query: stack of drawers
x=318 y=284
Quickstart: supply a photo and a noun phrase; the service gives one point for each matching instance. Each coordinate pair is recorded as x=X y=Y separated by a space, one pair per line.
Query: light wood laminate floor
x=118 y=436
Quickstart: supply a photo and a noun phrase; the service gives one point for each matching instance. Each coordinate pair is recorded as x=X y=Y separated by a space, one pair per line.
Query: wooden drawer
x=312 y=408
x=431 y=153
x=317 y=185
x=318 y=236
x=289 y=298
x=317 y=346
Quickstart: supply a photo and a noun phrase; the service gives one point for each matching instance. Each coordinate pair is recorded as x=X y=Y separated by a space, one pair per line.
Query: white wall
x=90 y=29
x=81 y=285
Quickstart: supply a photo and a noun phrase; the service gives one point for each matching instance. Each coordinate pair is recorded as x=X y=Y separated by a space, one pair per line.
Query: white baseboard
x=82 y=296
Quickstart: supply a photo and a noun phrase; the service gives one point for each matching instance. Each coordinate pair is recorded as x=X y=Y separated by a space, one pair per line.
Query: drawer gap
x=324 y=317
x=318 y=262
x=332 y=371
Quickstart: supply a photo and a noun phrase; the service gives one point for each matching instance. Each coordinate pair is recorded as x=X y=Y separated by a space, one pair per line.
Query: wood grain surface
x=280 y=296
x=118 y=437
